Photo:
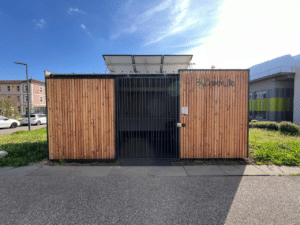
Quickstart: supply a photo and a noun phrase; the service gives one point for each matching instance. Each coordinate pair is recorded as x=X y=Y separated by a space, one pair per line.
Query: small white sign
x=185 y=110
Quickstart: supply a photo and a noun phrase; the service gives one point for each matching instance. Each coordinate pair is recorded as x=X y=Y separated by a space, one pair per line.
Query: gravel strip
x=182 y=162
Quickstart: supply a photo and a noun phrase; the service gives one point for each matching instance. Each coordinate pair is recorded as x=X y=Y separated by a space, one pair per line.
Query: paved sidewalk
x=151 y=171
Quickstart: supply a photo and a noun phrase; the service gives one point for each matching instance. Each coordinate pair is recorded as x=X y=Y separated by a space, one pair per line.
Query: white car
x=36 y=119
x=8 y=123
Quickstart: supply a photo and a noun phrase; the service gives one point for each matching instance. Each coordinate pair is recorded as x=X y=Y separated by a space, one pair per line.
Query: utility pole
x=28 y=97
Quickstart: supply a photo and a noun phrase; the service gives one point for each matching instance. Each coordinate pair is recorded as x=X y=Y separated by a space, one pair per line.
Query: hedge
x=284 y=126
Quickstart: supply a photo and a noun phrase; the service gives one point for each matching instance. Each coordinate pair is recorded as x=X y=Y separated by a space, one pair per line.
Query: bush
x=288 y=127
x=273 y=126
x=263 y=124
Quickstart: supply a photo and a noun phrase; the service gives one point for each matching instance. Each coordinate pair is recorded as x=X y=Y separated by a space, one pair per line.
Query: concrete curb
x=150 y=171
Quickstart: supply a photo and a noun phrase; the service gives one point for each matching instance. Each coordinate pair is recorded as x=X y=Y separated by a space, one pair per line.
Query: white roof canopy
x=143 y=64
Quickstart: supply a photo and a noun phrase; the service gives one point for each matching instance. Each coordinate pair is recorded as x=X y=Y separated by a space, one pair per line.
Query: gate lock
x=180 y=124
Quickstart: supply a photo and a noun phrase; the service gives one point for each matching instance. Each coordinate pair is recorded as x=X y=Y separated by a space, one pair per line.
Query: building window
x=18 y=97
x=19 y=108
x=26 y=88
x=8 y=96
x=250 y=95
x=8 y=88
x=18 y=88
x=260 y=94
x=41 y=99
x=41 y=89
x=25 y=98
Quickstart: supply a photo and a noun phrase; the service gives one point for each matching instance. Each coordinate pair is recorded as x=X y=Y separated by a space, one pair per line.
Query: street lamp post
x=28 y=97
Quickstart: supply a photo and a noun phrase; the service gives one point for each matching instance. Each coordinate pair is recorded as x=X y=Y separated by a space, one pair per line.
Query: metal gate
x=147 y=116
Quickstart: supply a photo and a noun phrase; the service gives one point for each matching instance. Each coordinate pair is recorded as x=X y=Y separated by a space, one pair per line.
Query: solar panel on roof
x=143 y=64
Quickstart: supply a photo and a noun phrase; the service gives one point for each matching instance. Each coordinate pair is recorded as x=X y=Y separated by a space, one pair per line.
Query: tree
x=8 y=107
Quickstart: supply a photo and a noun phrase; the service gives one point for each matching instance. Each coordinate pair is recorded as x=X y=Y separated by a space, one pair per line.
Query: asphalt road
x=151 y=200
x=4 y=131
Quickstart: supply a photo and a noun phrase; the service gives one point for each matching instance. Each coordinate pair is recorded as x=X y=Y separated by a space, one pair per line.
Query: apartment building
x=17 y=91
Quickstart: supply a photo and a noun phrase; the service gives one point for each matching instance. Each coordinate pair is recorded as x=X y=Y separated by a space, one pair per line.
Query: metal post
x=28 y=98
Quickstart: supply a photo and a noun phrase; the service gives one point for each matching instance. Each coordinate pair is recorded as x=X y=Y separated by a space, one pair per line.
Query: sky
x=71 y=36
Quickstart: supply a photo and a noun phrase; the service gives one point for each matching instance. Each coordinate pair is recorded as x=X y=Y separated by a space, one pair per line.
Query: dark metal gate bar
x=147 y=115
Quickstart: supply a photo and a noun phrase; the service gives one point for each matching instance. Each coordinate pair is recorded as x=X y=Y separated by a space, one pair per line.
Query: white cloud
x=85 y=29
x=165 y=20
x=150 y=13
x=174 y=30
x=142 y=18
x=39 y=24
x=250 y=32
x=75 y=10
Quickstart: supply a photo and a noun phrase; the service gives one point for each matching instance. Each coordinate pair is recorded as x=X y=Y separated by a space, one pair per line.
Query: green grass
x=274 y=147
x=24 y=147
x=265 y=147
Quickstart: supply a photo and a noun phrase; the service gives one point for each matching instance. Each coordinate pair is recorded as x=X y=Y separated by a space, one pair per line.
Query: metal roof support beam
x=133 y=64
x=148 y=64
x=161 y=66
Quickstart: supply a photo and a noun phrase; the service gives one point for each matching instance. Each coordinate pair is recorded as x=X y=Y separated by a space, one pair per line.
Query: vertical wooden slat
x=105 y=108
x=240 y=109
x=219 y=134
x=60 y=153
x=81 y=120
x=102 y=85
x=210 y=124
x=242 y=112
x=198 y=111
x=186 y=152
x=73 y=134
x=235 y=136
x=108 y=117
x=202 y=114
x=231 y=115
x=94 y=119
x=96 y=134
x=221 y=115
x=49 y=115
x=246 y=111
x=192 y=115
x=63 y=117
x=110 y=110
x=54 y=121
x=227 y=122
x=214 y=116
x=112 y=113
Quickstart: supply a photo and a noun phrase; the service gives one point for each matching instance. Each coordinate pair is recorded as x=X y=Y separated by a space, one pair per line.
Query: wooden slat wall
x=217 y=120
x=81 y=122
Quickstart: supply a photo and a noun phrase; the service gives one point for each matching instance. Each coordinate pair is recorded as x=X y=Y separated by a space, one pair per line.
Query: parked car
x=8 y=123
x=36 y=119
